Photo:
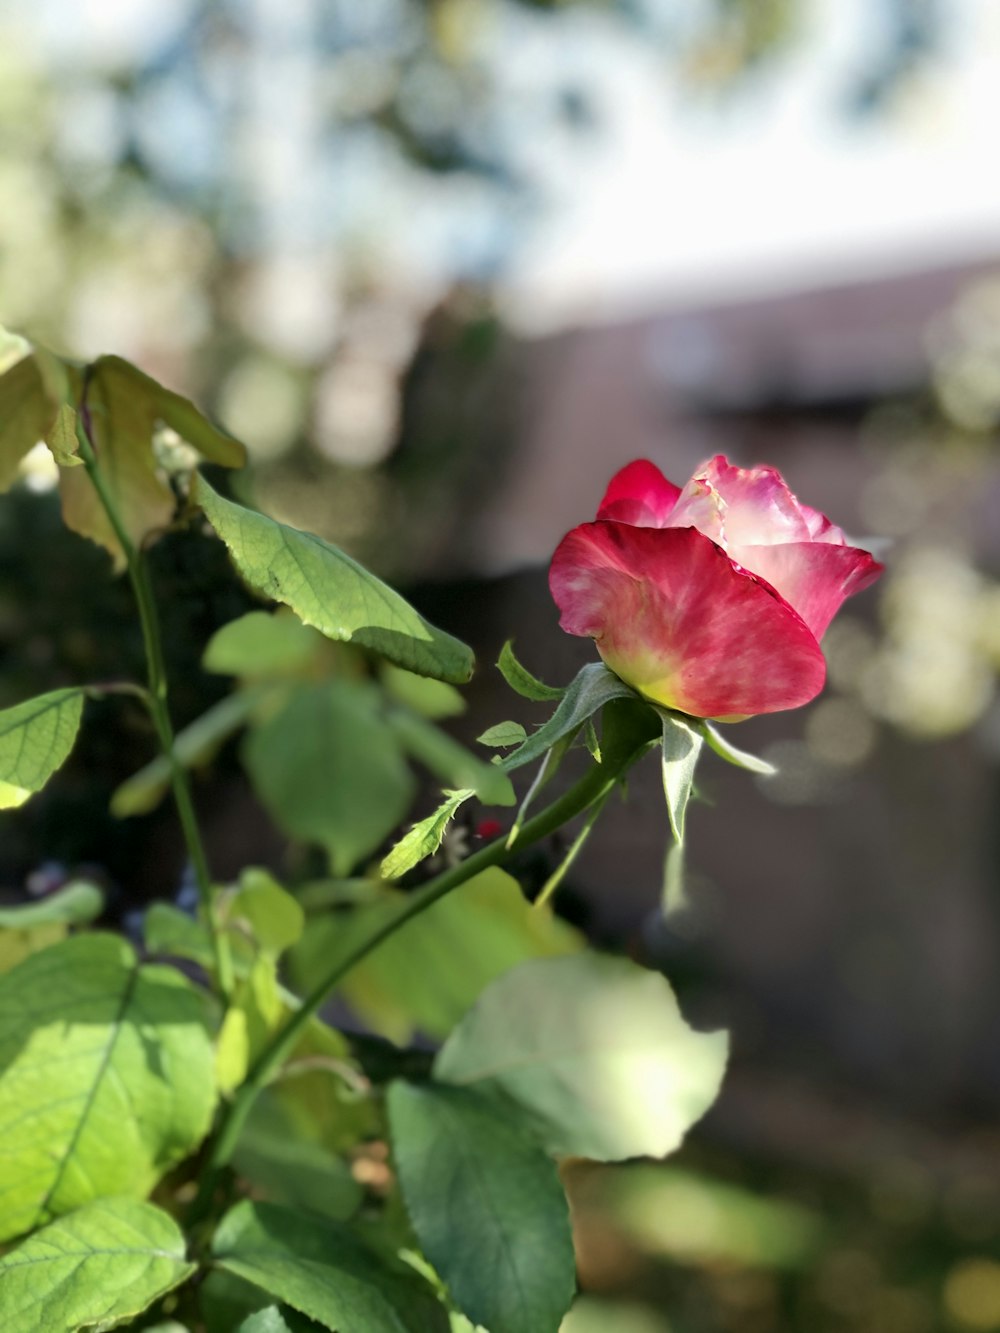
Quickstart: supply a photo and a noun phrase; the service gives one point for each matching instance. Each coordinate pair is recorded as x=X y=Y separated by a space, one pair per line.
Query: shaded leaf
x=330 y=771
x=595 y=1050
x=434 y=699
x=35 y=738
x=93 y=1269
x=487 y=1206
x=324 y=1271
x=105 y=1077
x=520 y=679
x=327 y=589
x=503 y=735
x=263 y=644
x=74 y=904
x=588 y=692
x=425 y=977
x=424 y=838
x=276 y=1319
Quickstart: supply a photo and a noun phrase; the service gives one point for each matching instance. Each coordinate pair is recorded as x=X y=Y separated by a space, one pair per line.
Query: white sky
x=781 y=192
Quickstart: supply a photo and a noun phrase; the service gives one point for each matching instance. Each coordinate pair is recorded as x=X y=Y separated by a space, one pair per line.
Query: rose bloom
x=711 y=599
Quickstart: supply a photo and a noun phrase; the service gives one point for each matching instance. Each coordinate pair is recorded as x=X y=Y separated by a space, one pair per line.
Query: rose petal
x=758 y=507
x=813 y=577
x=676 y=619
x=639 y=494
x=820 y=527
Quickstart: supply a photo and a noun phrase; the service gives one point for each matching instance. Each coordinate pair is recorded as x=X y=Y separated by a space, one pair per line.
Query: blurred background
x=445 y=265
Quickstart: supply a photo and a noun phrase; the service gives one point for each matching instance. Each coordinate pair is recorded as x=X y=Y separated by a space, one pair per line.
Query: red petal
x=813 y=577
x=639 y=494
x=676 y=619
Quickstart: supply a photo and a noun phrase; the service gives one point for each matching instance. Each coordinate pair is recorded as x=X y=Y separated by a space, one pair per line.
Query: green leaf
x=487 y=1206
x=520 y=679
x=434 y=699
x=179 y=413
x=171 y=933
x=105 y=1077
x=449 y=761
x=62 y=439
x=330 y=771
x=327 y=589
x=586 y=694
x=324 y=1271
x=26 y=412
x=269 y=911
x=195 y=745
x=424 y=838
x=503 y=735
x=681 y=748
x=729 y=752
x=276 y=1319
x=595 y=1050
x=35 y=738
x=252 y=1015
x=93 y=1269
x=263 y=645
x=425 y=977
x=75 y=904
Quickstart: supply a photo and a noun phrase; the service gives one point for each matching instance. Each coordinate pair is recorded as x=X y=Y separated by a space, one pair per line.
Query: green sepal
x=520 y=679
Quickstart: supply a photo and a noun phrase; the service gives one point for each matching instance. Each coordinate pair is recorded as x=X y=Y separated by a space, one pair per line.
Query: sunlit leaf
x=503 y=735
x=424 y=838
x=62 y=439
x=74 y=904
x=105 y=1077
x=520 y=679
x=434 y=699
x=327 y=589
x=324 y=1271
x=175 y=411
x=588 y=692
x=487 y=1207
x=262 y=645
x=95 y=1268
x=739 y=758
x=595 y=1049
x=276 y=1319
x=252 y=1015
x=271 y=914
x=681 y=748
x=35 y=738
x=26 y=412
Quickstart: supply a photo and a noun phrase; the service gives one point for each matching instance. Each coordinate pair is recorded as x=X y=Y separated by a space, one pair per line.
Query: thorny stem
x=593 y=787
x=155 y=698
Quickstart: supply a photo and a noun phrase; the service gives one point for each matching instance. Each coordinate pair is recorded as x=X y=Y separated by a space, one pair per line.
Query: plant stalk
x=593 y=787
x=155 y=699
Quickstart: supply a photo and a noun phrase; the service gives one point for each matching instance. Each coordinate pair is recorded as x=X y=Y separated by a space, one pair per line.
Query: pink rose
x=710 y=600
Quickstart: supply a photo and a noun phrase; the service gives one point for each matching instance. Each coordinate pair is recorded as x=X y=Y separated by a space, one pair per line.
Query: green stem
x=592 y=787
x=155 y=699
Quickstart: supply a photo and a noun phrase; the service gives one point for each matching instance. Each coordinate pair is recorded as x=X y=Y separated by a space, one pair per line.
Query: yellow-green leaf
x=35 y=738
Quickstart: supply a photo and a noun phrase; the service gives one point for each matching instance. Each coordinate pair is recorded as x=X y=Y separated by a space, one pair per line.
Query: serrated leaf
x=74 y=904
x=330 y=771
x=35 y=738
x=595 y=1050
x=738 y=758
x=503 y=735
x=324 y=1271
x=487 y=1206
x=263 y=645
x=588 y=692
x=450 y=762
x=327 y=589
x=424 y=838
x=520 y=679
x=425 y=977
x=681 y=748
x=195 y=745
x=26 y=412
x=105 y=1077
x=93 y=1269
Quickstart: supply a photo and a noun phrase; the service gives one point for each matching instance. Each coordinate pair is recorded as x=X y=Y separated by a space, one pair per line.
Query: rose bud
x=710 y=599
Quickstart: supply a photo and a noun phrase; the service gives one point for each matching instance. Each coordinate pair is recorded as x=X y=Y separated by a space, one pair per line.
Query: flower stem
x=155 y=699
x=593 y=787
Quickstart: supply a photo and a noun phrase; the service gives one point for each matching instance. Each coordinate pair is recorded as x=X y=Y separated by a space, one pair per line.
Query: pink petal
x=639 y=494
x=813 y=577
x=758 y=507
x=820 y=527
x=676 y=619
